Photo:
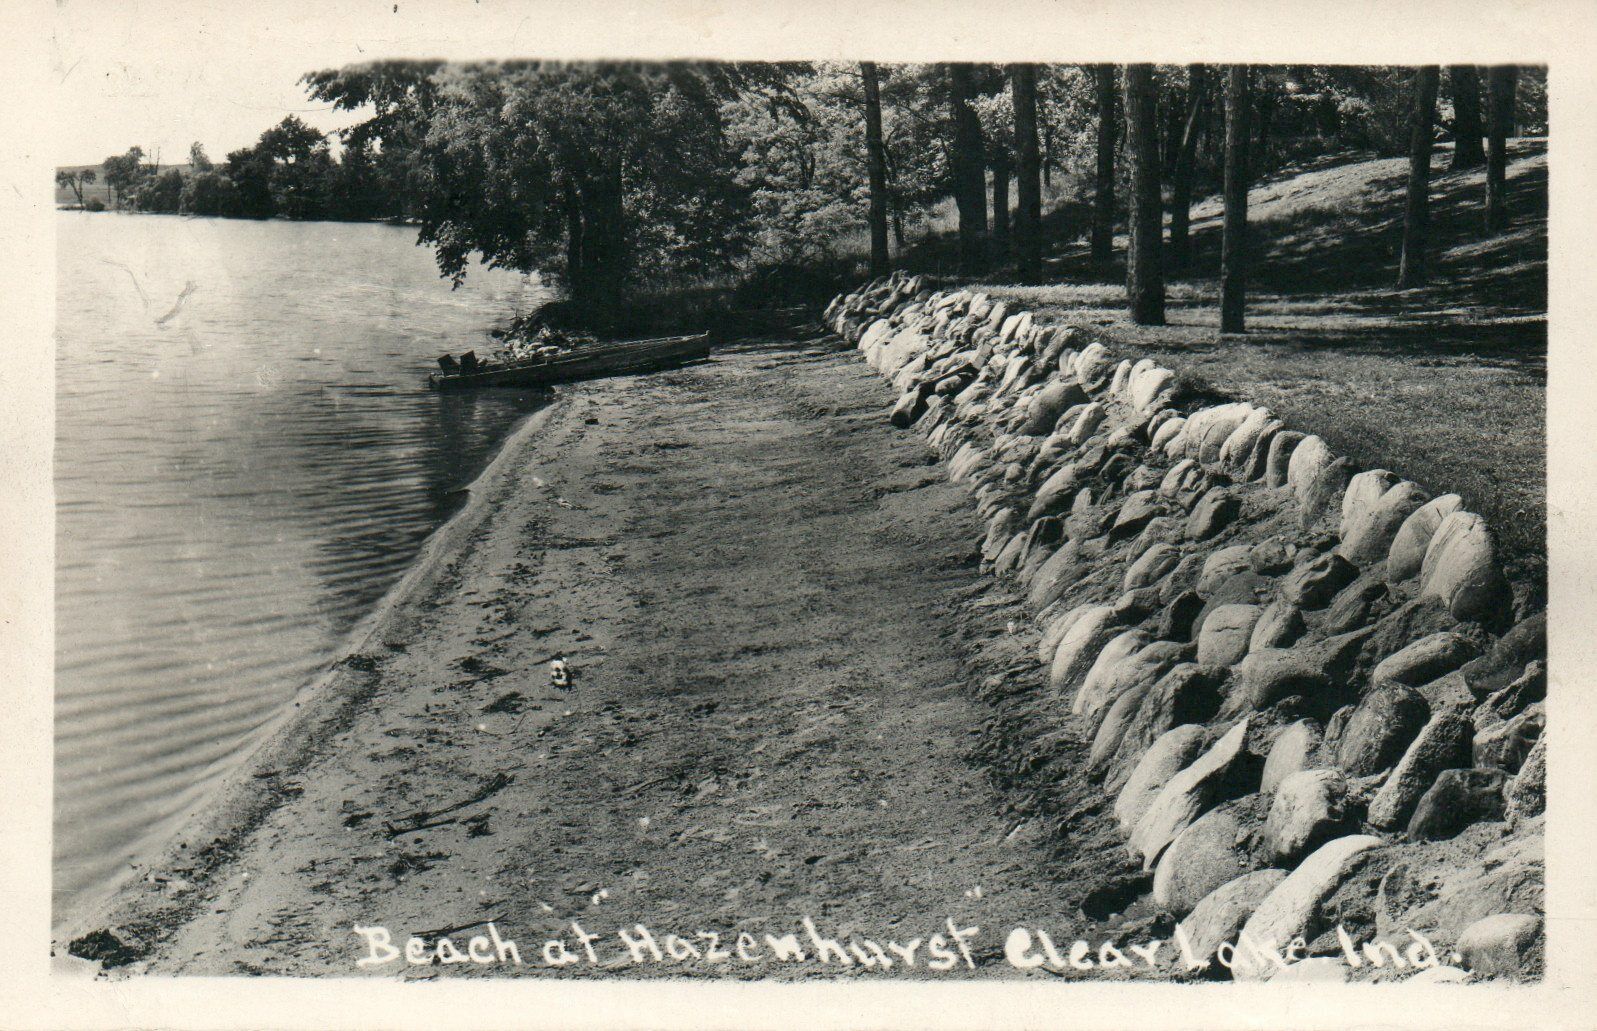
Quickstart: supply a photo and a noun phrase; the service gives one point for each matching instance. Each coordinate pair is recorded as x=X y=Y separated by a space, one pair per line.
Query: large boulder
x=1120 y=379
x=1356 y=605
x=1056 y=622
x=1047 y=404
x=1380 y=729
x=1135 y=673
x=1117 y=719
x=1526 y=795
x=1135 y=513
x=1504 y=945
x=1085 y=424
x=1506 y=745
x=1407 y=553
x=1055 y=492
x=1004 y=525
x=1239 y=444
x=1151 y=567
x=1169 y=755
x=1460 y=568
x=1221 y=914
x=1094 y=367
x=1324 y=495
x=1310 y=808
x=1215 y=425
x=1170 y=430
x=1308 y=459
x=1219 y=774
x=1442 y=744
x=1186 y=693
x=1458 y=799
x=1368 y=529
x=1316 y=673
x=1363 y=491
x=1079 y=648
x=1426 y=659
x=1226 y=632
x=1217 y=510
x=1279 y=457
x=1094 y=684
x=1063 y=570
x=1280 y=625
x=1210 y=853
x=1292 y=751
x=1294 y=908
x=1221 y=566
x=1151 y=389
x=1315 y=582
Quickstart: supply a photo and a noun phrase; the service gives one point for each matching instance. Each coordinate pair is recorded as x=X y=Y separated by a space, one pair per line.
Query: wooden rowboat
x=583 y=363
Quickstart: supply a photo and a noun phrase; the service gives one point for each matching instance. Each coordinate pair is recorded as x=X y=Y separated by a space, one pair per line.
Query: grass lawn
x=1445 y=384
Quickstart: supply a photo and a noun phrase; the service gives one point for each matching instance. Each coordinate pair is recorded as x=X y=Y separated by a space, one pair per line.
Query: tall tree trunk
x=1234 y=241
x=1414 y=267
x=1465 y=83
x=1264 y=108
x=970 y=187
x=1047 y=152
x=1000 y=204
x=1103 y=207
x=1181 y=177
x=576 y=260
x=1501 y=81
x=1144 y=274
x=876 y=158
x=1028 y=185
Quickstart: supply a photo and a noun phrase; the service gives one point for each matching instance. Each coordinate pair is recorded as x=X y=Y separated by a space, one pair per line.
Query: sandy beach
x=770 y=599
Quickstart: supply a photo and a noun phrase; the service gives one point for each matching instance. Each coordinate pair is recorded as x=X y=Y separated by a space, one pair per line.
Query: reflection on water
x=247 y=457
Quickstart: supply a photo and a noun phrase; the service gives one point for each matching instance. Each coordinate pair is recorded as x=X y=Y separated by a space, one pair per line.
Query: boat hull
x=589 y=363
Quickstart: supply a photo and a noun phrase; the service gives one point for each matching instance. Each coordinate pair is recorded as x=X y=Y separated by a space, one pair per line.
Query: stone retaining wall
x=1304 y=691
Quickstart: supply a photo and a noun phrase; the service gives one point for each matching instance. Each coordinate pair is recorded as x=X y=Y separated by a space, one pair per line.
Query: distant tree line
x=290 y=172
x=615 y=177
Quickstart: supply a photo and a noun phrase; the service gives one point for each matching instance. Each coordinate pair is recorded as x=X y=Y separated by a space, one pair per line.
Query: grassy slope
x=1443 y=384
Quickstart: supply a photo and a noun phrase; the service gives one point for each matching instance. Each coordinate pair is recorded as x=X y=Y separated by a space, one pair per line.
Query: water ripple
x=247 y=458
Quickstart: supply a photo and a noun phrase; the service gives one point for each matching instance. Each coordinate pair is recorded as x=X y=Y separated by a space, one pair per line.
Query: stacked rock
x=1294 y=674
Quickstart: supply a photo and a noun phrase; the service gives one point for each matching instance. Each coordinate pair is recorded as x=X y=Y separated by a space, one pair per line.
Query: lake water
x=247 y=458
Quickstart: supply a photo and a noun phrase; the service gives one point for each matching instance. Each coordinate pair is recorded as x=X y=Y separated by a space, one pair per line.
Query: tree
x=1001 y=173
x=198 y=161
x=161 y=192
x=1181 y=176
x=123 y=172
x=1414 y=267
x=1234 y=239
x=804 y=167
x=967 y=166
x=876 y=158
x=1103 y=208
x=1144 y=274
x=595 y=173
x=76 y=181
x=1465 y=84
x=1501 y=83
x=209 y=193
x=300 y=167
x=1028 y=185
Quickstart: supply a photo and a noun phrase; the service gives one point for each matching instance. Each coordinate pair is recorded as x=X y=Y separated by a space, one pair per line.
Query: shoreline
x=237 y=802
x=710 y=547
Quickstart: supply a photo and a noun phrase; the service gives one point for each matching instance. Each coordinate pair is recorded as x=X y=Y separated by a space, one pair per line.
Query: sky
x=162 y=74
